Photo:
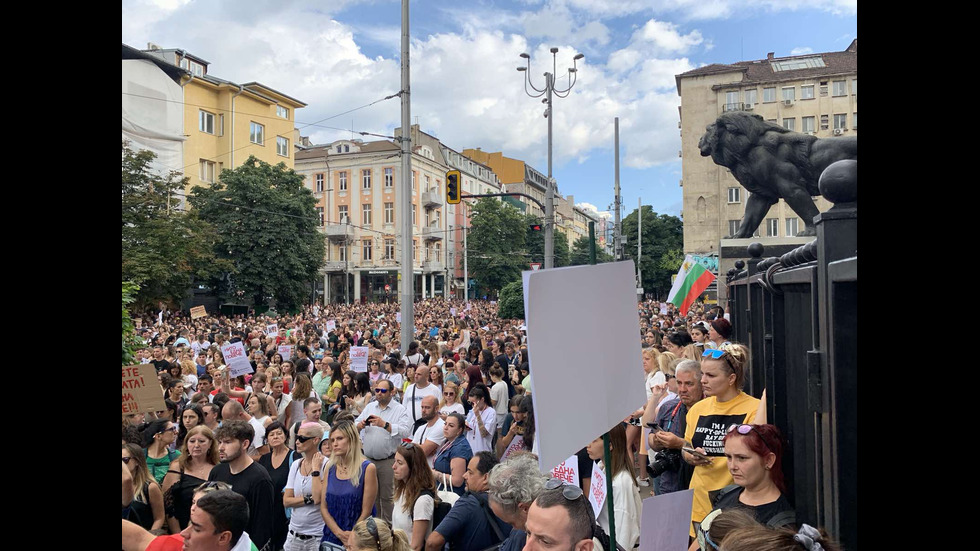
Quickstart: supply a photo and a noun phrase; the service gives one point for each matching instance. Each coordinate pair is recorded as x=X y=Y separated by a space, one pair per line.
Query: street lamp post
x=549 y=90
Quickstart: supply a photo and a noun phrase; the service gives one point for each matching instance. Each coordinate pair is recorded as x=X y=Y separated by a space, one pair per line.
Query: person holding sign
x=722 y=377
x=627 y=504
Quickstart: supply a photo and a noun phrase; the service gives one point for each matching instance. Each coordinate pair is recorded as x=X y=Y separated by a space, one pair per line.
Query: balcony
x=732 y=107
x=432 y=233
x=433 y=266
x=334 y=266
x=432 y=199
x=339 y=232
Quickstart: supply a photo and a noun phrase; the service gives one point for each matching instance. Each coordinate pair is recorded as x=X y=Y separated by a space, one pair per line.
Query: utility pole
x=617 y=237
x=639 y=245
x=407 y=284
x=466 y=259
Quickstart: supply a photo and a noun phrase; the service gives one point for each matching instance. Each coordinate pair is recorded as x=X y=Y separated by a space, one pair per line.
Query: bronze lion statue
x=772 y=163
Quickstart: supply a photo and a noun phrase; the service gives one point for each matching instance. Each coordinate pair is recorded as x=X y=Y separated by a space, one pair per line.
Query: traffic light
x=452 y=187
x=534 y=227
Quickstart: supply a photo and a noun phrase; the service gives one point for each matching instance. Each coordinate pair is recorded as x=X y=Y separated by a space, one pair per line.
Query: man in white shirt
x=383 y=424
x=481 y=421
x=412 y=400
x=430 y=436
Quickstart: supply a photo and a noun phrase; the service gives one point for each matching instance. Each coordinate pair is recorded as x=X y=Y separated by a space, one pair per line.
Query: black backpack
x=439 y=510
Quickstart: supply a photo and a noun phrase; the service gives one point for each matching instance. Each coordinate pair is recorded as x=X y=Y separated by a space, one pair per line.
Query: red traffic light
x=535 y=227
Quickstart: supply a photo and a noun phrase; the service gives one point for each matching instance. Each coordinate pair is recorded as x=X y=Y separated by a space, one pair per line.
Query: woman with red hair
x=755 y=457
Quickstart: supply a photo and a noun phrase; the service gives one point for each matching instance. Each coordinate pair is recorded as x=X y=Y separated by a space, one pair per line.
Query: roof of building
x=171 y=70
x=317 y=151
x=762 y=71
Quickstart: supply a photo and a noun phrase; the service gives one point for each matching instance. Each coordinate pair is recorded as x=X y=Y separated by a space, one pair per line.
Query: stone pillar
x=357 y=286
x=326 y=288
x=423 y=285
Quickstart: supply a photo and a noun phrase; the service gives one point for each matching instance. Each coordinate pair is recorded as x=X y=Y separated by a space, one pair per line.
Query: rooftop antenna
x=352 y=130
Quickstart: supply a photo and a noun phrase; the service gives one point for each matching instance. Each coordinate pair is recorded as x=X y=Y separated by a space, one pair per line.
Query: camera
x=665 y=461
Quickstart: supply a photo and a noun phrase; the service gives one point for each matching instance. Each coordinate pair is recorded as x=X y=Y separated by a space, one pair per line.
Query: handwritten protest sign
x=198 y=312
x=236 y=359
x=358 y=358
x=272 y=330
x=597 y=488
x=331 y=325
x=286 y=351
x=141 y=390
x=567 y=470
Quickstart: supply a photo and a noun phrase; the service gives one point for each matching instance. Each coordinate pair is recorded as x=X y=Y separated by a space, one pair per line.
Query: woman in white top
x=627 y=503
x=414 y=491
x=481 y=421
x=451 y=403
x=304 y=490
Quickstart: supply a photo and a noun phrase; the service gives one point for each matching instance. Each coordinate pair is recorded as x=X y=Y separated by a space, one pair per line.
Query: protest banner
x=198 y=312
x=567 y=470
x=358 y=358
x=597 y=487
x=141 y=389
x=286 y=351
x=605 y=309
x=666 y=521
x=331 y=325
x=235 y=359
x=272 y=330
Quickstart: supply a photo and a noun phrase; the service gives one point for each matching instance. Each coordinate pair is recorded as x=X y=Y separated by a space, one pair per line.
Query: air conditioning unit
x=838 y=132
x=748 y=106
x=787 y=102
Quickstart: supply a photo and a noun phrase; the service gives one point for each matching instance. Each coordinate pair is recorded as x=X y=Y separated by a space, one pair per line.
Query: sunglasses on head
x=746 y=429
x=372 y=527
x=713 y=353
x=301 y=439
x=570 y=492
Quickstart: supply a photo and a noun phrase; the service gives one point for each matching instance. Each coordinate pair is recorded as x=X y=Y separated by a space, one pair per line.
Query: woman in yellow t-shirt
x=724 y=405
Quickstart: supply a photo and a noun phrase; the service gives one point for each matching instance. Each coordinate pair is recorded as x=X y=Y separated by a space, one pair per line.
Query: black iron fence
x=798 y=315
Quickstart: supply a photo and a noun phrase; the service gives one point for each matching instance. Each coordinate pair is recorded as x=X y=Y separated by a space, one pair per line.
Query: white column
x=326 y=288
x=357 y=286
x=423 y=285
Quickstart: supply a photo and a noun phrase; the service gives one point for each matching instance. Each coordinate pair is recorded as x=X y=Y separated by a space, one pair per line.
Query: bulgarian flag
x=692 y=279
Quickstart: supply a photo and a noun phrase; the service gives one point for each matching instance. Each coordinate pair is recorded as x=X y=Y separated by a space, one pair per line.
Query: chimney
x=151 y=46
x=770 y=55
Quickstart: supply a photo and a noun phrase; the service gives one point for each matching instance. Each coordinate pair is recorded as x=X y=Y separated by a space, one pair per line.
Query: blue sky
x=344 y=54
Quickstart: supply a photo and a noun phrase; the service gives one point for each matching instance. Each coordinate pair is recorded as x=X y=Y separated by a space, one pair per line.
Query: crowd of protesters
x=433 y=446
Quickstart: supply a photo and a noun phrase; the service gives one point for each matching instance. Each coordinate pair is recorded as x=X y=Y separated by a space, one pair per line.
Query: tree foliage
x=267 y=224
x=130 y=342
x=163 y=248
x=580 y=252
x=511 y=302
x=496 y=244
x=663 y=243
x=535 y=243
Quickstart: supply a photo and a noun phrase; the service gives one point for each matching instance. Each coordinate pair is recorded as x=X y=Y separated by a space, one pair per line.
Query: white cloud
x=801 y=51
x=587 y=206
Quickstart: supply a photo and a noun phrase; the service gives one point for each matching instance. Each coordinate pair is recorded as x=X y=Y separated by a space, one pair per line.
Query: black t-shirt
x=255 y=484
x=763 y=513
x=161 y=365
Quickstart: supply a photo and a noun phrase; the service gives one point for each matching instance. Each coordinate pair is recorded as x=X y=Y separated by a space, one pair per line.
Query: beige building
x=813 y=93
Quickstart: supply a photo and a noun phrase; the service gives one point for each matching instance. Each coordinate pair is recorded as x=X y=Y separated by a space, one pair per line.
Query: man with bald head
x=412 y=400
x=233 y=411
x=429 y=435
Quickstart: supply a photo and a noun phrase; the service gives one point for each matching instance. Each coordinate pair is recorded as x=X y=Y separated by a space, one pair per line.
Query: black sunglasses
x=301 y=439
x=372 y=527
x=570 y=492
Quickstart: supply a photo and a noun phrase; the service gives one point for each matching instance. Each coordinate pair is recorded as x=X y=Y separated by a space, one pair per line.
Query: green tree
x=268 y=226
x=164 y=249
x=580 y=252
x=511 y=302
x=535 y=244
x=496 y=244
x=130 y=342
x=663 y=243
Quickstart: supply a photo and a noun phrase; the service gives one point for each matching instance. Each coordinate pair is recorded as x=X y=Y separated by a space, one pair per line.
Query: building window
x=415 y=249
x=840 y=121
x=389 y=249
x=798 y=63
x=282 y=112
x=339 y=148
x=772 y=227
x=342 y=214
x=319 y=183
x=792 y=226
x=366 y=214
x=789 y=93
x=342 y=180
x=319 y=213
x=854 y=123
x=731 y=100
x=343 y=253
x=207 y=171
x=751 y=97
x=734 y=195
x=809 y=123
x=367 y=249
x=789 y=124
x=206 y=122
x=413 y=181
x=824 y=122
x=806 y=92
x=854 y=86
x=282 y=146
x=768 y=95
x=389 y=177
x=366 y=179
x=840 y=88
x=415 y=216
x=733 y=226
x=427 y=188
x=389 y=213
x=256 y=133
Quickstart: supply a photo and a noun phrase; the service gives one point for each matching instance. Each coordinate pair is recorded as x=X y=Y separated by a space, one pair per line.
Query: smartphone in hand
x=695 y=453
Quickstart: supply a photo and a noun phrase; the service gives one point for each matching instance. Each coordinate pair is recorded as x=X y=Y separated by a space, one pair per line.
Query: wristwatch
x=314 y=473
x=308 y=499
x=387 y=426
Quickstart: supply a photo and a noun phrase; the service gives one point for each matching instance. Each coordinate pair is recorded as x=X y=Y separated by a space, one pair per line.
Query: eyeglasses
x=372 y=527
x=745 y=429
x=126 y=460
x=448 y=393
x=301 y=439
x=408 y=445
x=570 y=492
x=381 y=390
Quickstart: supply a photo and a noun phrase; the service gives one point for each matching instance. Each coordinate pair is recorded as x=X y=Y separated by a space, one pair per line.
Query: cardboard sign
x=358 y=358
x=198 y=312
x=141 y=390
x=272 y=330
x=666 y=521
x=331 y=325
x=567 y=471
x=597 y=488
x=235 y=359
x=286 y=351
